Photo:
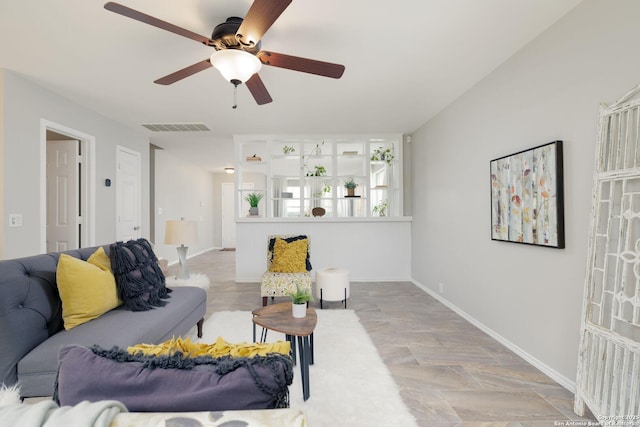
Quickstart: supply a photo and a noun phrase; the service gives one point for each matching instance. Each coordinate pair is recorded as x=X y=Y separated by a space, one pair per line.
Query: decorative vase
x=318 y=211
x=253 y=211
x=299 y=310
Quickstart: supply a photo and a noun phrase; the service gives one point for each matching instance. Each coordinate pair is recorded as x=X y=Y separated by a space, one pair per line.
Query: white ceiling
x=405 y=61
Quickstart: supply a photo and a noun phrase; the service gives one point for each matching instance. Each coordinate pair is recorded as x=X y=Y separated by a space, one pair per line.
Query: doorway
x=128 y=194
x=64 y=167
x=67 y=187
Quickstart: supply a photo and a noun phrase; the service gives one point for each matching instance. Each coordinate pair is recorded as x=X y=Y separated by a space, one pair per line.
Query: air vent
x=176 y=127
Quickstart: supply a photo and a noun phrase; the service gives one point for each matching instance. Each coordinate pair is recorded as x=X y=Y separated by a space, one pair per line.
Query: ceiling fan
x=238 y=54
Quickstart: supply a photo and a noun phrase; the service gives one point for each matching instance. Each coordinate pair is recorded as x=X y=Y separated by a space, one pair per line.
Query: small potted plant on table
x=299 y=300
x=254 y=199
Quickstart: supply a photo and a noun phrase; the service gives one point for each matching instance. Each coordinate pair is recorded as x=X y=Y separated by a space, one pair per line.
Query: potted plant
x=351 y=187
x=381 y=208
x=384 y=154
x=299 y=300
x=319 y=170
x=253 y=199
x=318 y=150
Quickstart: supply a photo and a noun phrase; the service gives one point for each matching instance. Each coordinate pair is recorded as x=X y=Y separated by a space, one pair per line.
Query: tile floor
x=449 y=372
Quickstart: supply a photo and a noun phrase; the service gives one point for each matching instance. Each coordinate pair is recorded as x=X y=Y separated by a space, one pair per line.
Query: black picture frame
x=527 y=196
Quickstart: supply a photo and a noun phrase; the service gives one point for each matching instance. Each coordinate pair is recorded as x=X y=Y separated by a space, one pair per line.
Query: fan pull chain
x=235 y=83
x=235 y=97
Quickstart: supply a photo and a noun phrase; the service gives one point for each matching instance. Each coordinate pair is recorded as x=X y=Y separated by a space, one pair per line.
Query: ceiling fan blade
x=258 y=90
x=185 y=72
x=296 y=63
x=262 y=14
x=147 y=19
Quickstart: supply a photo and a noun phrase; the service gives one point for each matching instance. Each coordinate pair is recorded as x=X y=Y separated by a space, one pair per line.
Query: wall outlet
x=441 y=287
x=15 y=220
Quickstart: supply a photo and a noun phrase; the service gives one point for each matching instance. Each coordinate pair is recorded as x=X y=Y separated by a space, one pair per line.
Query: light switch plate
x=15 y=220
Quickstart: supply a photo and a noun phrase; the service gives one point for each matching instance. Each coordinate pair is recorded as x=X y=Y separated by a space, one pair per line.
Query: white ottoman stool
x=332 y=284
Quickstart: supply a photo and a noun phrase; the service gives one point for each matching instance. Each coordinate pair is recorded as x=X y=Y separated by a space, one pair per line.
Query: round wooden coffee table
x=278 y=317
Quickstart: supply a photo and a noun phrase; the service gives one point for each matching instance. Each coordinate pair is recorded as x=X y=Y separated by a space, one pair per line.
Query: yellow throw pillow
x=289 y=257
x=87 y=289
x=100 y=259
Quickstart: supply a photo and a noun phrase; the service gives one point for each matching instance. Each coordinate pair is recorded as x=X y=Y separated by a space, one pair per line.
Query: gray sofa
x=31 y=326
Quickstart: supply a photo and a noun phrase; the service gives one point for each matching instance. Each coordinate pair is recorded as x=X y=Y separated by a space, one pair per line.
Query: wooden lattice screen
x=608 y=380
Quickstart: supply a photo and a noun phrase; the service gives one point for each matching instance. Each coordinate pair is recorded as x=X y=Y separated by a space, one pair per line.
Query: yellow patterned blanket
x=218 y=349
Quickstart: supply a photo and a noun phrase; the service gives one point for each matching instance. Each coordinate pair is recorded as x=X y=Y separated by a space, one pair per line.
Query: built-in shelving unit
x=299 y=173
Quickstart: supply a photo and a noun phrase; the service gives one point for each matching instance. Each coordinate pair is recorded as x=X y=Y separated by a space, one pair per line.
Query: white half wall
x=375 y=250
x=550 y=90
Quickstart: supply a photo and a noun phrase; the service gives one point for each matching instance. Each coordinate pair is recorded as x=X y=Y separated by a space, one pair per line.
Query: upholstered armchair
x=288 y=265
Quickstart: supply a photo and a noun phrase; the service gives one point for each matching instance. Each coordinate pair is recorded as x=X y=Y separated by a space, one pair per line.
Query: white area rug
x=195 y=279
x=9 y=395
x=349 y=383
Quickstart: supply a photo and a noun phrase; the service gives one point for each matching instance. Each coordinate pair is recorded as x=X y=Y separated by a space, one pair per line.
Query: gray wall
x=24 y=105
x=551 y=89
x=182 y=191
x=218 y=179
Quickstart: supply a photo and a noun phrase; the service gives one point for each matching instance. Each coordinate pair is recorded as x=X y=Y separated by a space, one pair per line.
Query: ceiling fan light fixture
x=235 y=64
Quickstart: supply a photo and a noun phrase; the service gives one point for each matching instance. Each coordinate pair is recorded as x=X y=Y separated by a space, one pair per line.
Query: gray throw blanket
x=48 y=414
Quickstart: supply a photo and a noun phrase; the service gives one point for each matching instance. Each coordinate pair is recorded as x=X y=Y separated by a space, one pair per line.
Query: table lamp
x=181 y=232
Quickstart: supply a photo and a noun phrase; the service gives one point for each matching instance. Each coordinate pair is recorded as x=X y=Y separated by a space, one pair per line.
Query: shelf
x=382 y=162
x=318 y=156
x=325 y=219
x=341 y=158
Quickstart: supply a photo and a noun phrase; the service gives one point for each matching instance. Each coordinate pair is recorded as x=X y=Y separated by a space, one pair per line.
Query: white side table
x=332 y=284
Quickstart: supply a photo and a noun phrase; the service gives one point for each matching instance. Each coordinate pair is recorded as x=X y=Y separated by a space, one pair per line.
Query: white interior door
x=227 y=216
x=63 y=205
x=128 y=194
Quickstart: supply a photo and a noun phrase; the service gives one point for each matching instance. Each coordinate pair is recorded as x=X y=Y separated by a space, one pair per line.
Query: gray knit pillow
x=140 y=281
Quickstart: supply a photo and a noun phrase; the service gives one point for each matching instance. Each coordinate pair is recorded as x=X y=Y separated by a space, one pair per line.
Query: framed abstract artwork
x=527 y=199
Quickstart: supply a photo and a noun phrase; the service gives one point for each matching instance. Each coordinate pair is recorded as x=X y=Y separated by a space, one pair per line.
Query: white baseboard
x=247 y=279
x=379 y=280
x=550 y=372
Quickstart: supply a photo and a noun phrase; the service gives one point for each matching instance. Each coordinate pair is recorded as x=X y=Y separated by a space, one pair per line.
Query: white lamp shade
x=181 y=232
x=235 y=64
